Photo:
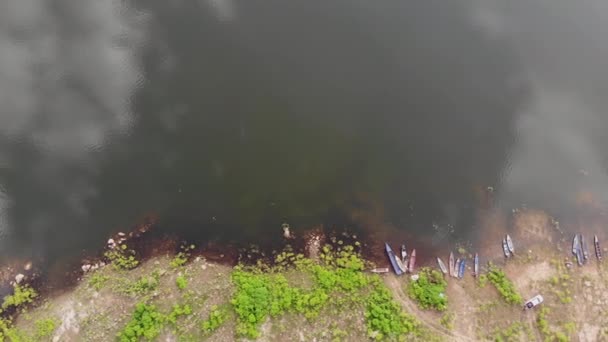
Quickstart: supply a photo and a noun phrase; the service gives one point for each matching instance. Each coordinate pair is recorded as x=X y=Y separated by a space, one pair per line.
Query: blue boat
x=393 y=259
x=461 y=268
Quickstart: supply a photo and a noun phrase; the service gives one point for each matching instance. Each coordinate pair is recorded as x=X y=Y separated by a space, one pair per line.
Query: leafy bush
x=22 y=295
x=182 y=257
x=143 y=285
x=181 y=282
x=429 y=290
x=122 y=258
x=506 y=288
x=46 y=327
x=216 y=318
x=384 y=317
x=177 y=312
x=97 y=281
x=146 y=322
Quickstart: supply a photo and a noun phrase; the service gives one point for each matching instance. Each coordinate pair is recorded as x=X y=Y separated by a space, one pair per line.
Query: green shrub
x=216 y=318
x=97 y=281
x=429 y=290
x=22 y=295
x=143 y=285
x=181 y=282
x=384 y=317
x=122 y=258
x=506 y=288
x=177 y=312
x=46 y=327
x=146 y=323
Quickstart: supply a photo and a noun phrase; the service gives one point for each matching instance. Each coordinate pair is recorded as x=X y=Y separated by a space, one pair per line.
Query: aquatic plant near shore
x=22 y=295
x=122 y=258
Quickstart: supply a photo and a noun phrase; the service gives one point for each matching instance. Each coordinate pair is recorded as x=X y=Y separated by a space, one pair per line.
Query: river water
x=226 y=118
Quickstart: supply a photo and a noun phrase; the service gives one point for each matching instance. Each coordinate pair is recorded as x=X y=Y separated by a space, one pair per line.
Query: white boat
x=510 y=244
x=379 y=270
x=444 y=269
x=402 y=266
x=451 y=264
x=575 y=244
x=584 y=247
x=505 y=248
x=598 y=250
x=456 y=267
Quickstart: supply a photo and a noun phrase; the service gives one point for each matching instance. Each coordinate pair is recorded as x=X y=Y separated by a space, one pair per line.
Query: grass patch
x=181 y=282
x=122 y=258
x=98 y=280
x=504 y=286
x=46 y=327
x=216 y=318
x=429 y=290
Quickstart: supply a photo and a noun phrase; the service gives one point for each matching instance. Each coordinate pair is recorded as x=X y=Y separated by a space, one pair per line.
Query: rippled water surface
x=227 y=118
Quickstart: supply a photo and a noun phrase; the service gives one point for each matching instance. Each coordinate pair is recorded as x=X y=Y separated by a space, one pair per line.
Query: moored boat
x=584 y=247
x=476 y=265
x=598 y=250
x=505 y=248
x=393 y=259
x=456 y=267
x=379 y=270
x=579 y=256
x=451 y=264
x=510 y=244
x=412 y=263
x=444 y=269
x=575 y=244
x=461 y=268
x=401 y=265
x=403 y=254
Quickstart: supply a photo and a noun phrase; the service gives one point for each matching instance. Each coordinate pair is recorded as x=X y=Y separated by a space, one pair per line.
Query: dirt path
x=423 y=316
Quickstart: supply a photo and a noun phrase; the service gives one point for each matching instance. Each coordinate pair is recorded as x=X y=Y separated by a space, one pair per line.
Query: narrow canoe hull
x=444 y=269
x=598 y=250
x=412 y=263
x=451 y=264
x=403 y=254
x=379 y=270
x=575 y=244
x=476 y=265
x=456 y=267
x=510 y=244
x=505 y=248
x=579 y=256
x=393 y=259
x=401 y=265
x=461 y=268
x=584 y=247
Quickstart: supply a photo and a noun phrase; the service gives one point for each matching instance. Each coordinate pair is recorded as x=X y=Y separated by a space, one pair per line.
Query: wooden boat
x=476 y=266
x=403 y=254
x=510 y=244
x=456 y=267
x=379 y=270
x=451 y=264
x=584 y=247
x=393 y=259
x=461 y=268
x=598 y=250
x=444 y=269
x=575 y=244
x=412 y=261
x=401 y=265
x=505 y=248
x=579 y=256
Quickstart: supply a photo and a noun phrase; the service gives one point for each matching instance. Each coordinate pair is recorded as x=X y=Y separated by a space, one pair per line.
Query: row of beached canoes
x=401 y=264
x=581 y=251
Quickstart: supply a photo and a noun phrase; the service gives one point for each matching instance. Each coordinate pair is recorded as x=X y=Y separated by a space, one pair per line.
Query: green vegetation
x=177 y=312
x=550 y=335
x=181 y=282
x=98 y=280
x=385 y=318
x=216 y=318
x=143 y=285
x=46 y=327
x=22 y=295
x=182 y=257
x=122 y=258
x=146 y=323
x=429 y=290
x=512 y=332
x=506 y=288
x=447 y=320
x=482 y=280
x=263 y=292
